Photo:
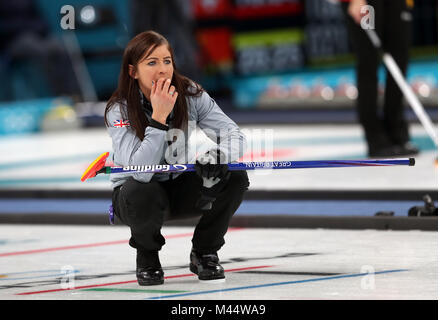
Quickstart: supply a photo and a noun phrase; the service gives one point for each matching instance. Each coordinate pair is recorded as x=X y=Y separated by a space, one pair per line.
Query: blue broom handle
x=163 y=168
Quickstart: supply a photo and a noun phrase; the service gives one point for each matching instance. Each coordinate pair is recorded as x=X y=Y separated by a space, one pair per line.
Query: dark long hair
x=128 y=91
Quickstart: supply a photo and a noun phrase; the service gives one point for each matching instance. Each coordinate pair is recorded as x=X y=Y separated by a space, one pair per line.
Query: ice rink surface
x=96 y=263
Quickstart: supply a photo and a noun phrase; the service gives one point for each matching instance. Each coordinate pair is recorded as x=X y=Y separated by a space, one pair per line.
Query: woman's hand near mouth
x=163 y=98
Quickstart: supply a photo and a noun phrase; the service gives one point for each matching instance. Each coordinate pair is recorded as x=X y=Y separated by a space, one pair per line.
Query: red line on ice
x=98 y=244
x=132 y=281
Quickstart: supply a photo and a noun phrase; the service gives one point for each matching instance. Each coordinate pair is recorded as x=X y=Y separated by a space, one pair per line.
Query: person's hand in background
x=354 y=9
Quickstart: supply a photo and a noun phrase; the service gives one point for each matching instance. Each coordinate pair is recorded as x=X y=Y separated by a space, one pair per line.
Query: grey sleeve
x=130 y=150
x=215 y=123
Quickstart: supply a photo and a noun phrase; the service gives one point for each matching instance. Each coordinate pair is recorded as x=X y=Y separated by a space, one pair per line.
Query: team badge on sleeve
x=121 y=123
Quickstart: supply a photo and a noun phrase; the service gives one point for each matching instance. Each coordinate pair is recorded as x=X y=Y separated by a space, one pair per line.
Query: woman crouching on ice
x=151 y=98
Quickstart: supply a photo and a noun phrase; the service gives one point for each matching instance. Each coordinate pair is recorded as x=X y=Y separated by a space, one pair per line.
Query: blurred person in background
x=387 y=135
x=153 y=97
x=30 y=52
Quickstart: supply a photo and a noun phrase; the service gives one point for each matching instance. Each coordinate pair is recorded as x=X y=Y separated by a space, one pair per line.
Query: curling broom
x=98 y=166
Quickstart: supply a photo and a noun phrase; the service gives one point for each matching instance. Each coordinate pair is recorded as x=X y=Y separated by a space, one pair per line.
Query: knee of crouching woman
x=145 y=199
x=239 y=180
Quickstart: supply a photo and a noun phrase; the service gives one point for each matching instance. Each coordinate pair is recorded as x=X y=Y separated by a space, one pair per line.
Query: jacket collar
x=147 y=107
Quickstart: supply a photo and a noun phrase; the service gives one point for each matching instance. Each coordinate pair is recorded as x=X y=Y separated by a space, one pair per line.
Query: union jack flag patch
x=121 y=123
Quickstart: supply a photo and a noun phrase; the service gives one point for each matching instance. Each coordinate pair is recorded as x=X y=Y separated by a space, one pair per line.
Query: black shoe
x=149 y=271
x=407 y=149
x=381 y=152
x=206 y=266
x=150 y=276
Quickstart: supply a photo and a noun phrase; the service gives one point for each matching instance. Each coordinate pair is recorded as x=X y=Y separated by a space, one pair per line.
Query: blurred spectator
x=33 y=63
x=174 y=20
x=386 y=136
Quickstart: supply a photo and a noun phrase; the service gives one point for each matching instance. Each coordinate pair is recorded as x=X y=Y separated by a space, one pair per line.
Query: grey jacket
x=159 y=146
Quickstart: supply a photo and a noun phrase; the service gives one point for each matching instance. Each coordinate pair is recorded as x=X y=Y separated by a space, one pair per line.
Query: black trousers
x=389 y=127
x=144 y=207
